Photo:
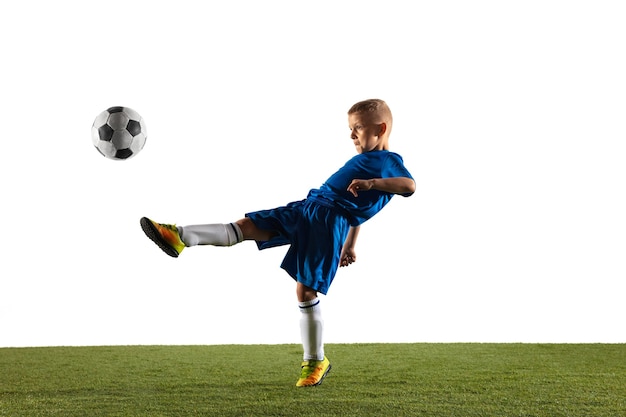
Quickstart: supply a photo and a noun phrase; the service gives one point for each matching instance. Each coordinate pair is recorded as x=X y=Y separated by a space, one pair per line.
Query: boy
x=321 y=230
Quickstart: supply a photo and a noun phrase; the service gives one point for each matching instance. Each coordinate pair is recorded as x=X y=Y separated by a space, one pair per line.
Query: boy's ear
x=382 y=128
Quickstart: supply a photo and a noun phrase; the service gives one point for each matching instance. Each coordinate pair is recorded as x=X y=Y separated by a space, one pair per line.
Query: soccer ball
x=119 y=133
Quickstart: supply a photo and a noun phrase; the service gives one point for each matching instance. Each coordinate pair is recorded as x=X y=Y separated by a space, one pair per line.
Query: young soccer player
x=321 y=229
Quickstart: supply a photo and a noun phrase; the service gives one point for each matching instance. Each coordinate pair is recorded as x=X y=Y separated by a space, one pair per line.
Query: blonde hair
x=374 y=107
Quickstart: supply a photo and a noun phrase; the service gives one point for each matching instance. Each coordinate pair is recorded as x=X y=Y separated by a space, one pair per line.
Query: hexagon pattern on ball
x=119 y=133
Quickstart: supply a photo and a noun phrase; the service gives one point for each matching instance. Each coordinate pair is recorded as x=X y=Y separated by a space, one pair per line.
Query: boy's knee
x=251 y=232
x=305 y=293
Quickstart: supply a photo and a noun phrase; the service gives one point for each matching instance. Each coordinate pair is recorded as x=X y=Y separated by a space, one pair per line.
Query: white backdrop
x=510 y=115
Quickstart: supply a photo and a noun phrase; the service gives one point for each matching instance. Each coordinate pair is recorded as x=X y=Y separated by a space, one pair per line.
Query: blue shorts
x=316 y=234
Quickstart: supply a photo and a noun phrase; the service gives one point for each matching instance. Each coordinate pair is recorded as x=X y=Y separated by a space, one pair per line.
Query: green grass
x=366 y=380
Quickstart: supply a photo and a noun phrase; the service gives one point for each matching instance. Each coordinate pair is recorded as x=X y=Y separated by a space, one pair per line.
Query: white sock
x=211 y=234
x=311 y=326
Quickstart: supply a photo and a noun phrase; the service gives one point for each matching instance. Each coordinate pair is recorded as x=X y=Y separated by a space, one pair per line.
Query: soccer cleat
x=164 y=235
x=313 y=372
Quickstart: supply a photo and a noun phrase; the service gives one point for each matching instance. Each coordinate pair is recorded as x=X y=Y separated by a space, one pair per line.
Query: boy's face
x=365 y=133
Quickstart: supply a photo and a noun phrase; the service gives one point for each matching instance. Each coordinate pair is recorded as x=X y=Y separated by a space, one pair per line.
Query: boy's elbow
x=409 y=188
x=412 y=186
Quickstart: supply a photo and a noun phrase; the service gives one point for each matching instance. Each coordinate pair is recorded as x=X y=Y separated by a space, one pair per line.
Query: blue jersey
x=376 y=164
x=316 y=228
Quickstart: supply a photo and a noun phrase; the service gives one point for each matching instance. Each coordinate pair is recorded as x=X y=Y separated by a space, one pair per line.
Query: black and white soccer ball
x=119 y=133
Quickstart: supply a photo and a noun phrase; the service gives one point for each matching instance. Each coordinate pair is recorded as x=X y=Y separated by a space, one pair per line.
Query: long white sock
x=311 y=327
x=211 y=234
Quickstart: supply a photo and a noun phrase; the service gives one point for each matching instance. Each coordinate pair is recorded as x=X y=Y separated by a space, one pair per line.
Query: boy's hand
x=348 y=255
x=360 y=185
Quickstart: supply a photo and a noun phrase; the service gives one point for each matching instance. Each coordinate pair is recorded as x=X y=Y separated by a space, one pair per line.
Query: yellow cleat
x=164 y=235
x=313 y=372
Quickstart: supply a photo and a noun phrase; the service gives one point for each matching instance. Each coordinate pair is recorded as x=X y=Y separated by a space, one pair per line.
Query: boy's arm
x=348 y=255
x=395 y=185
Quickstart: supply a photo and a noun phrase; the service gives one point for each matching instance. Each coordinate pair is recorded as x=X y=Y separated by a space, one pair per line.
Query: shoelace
x=171 y=227
x=309 y=367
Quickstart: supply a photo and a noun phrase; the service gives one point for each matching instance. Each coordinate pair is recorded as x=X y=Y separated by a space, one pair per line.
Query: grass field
x=366 y=380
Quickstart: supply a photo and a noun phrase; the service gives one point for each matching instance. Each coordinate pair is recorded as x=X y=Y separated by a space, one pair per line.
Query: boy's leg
x=216 y=234
x=315 y=365
x=223 y=234
x=311 y=323
x=250 y=231
x=172 y=239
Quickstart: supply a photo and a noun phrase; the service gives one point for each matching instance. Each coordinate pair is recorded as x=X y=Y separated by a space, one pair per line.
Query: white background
x=510 y=115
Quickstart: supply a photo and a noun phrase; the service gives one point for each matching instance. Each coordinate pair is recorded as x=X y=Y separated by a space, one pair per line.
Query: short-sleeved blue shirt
x=376 y=164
